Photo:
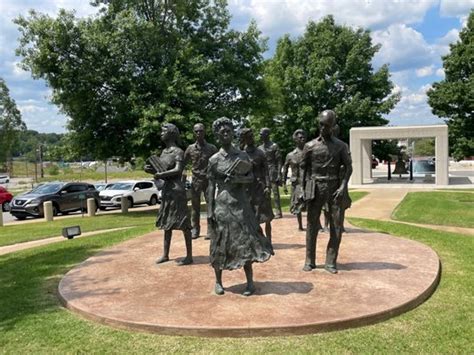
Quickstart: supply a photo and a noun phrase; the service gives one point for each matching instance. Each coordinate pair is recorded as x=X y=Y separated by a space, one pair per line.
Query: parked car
x=4 y=179
x=424 y=166
x=5 y=199
x=66 y=197
x=102 y=186
x=136 y=192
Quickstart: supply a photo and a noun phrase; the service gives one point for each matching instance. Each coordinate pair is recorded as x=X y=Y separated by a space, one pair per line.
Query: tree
x=10 y=124
x=139 y=63
x=453 y=97
x=328 y=67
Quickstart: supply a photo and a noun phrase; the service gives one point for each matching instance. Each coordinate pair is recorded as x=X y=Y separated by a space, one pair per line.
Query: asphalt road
x=9 y=219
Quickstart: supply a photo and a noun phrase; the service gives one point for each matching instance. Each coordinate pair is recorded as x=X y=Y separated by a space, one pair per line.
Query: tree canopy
x=453 y=97
x=10 y=123
x=138 y=63
x=328 y=67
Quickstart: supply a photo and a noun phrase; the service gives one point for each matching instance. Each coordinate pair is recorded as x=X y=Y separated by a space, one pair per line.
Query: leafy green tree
x=453 y=97
x=10 y=124
x=328 y=67
x=138 y=63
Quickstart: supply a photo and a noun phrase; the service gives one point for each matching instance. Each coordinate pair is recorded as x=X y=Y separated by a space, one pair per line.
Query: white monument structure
x=361 y=148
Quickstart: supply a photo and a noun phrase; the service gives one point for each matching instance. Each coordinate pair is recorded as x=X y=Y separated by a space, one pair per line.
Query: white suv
x=4 y=179
x=136 y=192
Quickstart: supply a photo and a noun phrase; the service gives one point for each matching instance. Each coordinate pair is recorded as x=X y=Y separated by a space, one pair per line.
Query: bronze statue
x=236 y=239
x=346 y=201
x=198 y=154
x=323 y=159
x=274 y=161
x=259 y=190
x=293 y=160
x=173 y=213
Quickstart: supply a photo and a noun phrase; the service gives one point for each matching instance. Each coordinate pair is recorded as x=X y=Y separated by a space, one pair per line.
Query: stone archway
x=361 y=148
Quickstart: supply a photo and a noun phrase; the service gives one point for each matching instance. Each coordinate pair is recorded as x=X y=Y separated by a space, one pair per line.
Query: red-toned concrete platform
x=380 y=276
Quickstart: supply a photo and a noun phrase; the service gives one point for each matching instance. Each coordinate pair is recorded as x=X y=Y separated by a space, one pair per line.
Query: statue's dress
x=236 y=238
x=173 y=212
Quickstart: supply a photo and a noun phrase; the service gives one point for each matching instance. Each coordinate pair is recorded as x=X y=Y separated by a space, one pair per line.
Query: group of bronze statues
x=237 y=185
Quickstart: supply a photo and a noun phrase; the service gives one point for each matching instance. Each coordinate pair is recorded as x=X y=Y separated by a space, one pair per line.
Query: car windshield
x=100 y=187
x=47 y=188
x=120 y=186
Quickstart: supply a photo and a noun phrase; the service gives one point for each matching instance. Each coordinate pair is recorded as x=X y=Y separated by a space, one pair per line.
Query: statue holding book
x=236 y=240
x=173 y=213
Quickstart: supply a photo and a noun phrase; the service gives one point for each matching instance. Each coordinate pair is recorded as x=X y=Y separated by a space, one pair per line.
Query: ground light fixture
x=71 y=232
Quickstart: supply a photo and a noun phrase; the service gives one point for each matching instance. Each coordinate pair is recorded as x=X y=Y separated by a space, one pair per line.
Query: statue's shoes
x=331 y=269
x=218 y=289
x=185 y=261
x=163 y=259
x=309 y=267
x=249 y=291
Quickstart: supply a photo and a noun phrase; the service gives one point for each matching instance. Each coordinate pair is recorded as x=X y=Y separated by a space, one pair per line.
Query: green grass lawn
x=18 y=233
x=439 y=207
x=32 y=320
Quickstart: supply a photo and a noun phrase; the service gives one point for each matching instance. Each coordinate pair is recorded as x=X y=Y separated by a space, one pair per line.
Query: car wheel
x=55 y=210
x=130 y=202
x=153 y=200
x=6 y=207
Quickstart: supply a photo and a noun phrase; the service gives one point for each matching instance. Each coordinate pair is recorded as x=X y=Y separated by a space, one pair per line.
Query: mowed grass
x=32 y=320
x=24 y=232
x=438 y=207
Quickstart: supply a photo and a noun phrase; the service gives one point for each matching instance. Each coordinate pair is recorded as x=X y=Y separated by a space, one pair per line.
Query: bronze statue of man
x=274 y=162
x=293 y=162
x=198 y=154
x=323 y=159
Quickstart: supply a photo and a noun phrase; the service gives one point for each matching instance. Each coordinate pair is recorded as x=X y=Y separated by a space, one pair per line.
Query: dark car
x=66 y=197
x=5 y=198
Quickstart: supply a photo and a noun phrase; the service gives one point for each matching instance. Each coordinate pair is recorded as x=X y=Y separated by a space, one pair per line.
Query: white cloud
x=292 y=15
x=442 y=44
x=440 y=72
x=402 y=47
x=455 y=8
x=424 y=71
x=413 y=109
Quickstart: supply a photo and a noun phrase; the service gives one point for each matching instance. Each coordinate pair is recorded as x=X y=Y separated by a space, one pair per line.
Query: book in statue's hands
x=156 y=164
x=239 y=167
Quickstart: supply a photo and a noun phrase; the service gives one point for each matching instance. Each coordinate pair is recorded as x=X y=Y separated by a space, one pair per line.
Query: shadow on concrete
x=370 y=266
x=281 y=246
x=275 y=288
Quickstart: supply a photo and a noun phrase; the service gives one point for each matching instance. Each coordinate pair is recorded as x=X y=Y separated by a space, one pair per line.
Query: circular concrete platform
x=380 y=276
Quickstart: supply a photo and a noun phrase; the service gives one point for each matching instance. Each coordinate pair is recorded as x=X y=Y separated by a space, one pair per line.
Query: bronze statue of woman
x=173 y=213
x=236 y=240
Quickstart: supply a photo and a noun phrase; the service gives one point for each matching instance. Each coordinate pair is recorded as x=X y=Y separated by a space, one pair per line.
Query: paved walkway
x=380 y=203
x=36 y=243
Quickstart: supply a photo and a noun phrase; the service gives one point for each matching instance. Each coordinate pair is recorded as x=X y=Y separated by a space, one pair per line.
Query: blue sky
x=414 y=34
